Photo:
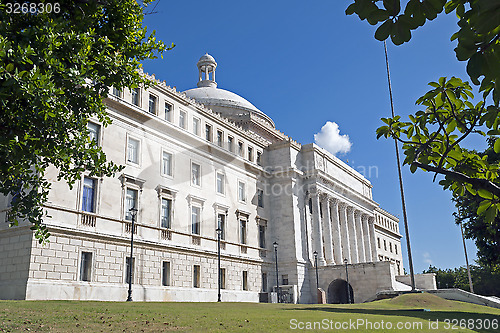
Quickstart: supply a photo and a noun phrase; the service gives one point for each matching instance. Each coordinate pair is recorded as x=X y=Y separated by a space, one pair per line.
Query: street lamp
x=347 y=278
x=315 y=253
x=277 y=277
x=219 y=233
x=133 y=213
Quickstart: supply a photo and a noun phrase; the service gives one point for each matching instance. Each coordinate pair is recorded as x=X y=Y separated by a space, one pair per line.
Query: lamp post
x=219 y=233
x=347 y=278
x=277 y=277
x=133 y=212
x=315 y=253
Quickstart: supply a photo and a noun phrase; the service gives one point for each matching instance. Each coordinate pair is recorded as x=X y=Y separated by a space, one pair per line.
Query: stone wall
x=55 y=274
x=422 y=281
x=15 y=245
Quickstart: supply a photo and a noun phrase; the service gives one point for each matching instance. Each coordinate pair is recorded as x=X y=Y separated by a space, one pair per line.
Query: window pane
x=195 y=177
x=196 y=126
x=260 y=198
x=230 y=144
x=195 y=220
x=133 y=150
x=245 y=280
x=131 y=202
x=166 y=212
x=88 y=196
x=165 y=281
x=221 y=223
x=93 y=132
x=85 y=266
x=243 y=231
x=182 y=119
x=152 y=104
x=168 y=112
x=220 y=136
x=167 y=164
x=262 y=236
x=208 y=133
x=135 y=96
x=220 y=183
x=241 y=191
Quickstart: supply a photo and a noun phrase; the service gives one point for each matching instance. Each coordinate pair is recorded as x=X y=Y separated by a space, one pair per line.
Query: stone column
x=327 y=229
x=346 y=253
x=336 y=234
x=371 y=226
x=360 y=239
x=353 y=239
x=366 y=238
x=317 y=231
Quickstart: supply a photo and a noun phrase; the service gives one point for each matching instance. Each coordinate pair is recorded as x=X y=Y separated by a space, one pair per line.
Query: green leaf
x=496 y=147
x=384 y=30
x=484 y=194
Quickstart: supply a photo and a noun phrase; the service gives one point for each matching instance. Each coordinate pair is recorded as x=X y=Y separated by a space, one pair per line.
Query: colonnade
x=341 y=231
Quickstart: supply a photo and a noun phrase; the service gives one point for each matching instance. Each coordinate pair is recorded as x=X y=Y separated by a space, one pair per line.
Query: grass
x=82 y=316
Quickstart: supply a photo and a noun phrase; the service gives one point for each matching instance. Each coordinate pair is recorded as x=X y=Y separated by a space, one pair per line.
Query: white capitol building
x=195 y=161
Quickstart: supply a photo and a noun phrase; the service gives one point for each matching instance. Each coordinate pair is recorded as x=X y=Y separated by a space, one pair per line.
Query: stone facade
x=189 y=169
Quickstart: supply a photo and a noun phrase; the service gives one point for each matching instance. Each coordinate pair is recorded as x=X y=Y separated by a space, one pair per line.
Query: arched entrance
x=337 y=292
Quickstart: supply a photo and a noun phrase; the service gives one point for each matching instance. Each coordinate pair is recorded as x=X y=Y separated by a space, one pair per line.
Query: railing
x=196 y=240
x=243 y=249
x=166 y=235
x=88 y=220
x=263 y=253
x=128 y=228
x=223 y=245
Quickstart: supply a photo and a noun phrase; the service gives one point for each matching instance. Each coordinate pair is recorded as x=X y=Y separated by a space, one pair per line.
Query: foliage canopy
x=55 y=70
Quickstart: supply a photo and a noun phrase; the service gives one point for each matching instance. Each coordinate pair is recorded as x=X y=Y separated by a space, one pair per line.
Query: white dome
x=220 y=97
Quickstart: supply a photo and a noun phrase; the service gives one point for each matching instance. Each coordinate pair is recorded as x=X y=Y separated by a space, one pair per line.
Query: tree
x=484 y=277
x=433 y=138
x=57 y=63
x=486 y=234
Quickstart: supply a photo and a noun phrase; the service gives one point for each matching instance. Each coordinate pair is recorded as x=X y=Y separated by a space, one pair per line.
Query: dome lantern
x=206 y=66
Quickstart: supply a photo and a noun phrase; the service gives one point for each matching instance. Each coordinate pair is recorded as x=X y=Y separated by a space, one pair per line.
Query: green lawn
x=79 y=316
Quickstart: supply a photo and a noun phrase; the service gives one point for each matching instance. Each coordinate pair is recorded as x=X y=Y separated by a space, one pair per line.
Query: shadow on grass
x=478 y=322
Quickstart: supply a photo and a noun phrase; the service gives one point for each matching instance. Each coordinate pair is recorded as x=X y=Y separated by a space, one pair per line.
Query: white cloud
x=427 y=258
x=329 y=138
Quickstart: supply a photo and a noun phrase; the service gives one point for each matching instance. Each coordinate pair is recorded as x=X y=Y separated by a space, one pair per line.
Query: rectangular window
x=245 y=280
x=196 y=276
x=196 y=126
x=250 y=154
x=117 y=92
x=152 y=103
x=208 y=132
x=130 y=202
x=230 y=144
x=240 y=148
x=94 y=130
x=166 y=213
x=195 y=220
x=221 y=183
x=385 y=245
x=260 y=198
x=221 y=224
x=264 y=282
x=223 y=278
x=390 y=247
x=262 y=236
x=135 y=96
x=378 y=242
x=243 y=231
x=284 y=279
x=165 y=276
x=220 y=138
x=242 y=192
x=86 y=266
x=259 y=158
x=133 y=150
x=396 y=248
x=89 y=193
x=182 y=119
x=128 y=269
x=168 y=112
x=195 y=174
x=166 y=164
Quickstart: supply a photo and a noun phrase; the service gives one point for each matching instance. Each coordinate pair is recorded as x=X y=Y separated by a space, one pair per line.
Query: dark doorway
x=337 y=292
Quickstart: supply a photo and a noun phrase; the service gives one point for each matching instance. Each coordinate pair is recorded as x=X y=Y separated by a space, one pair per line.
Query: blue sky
x=306 y=63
